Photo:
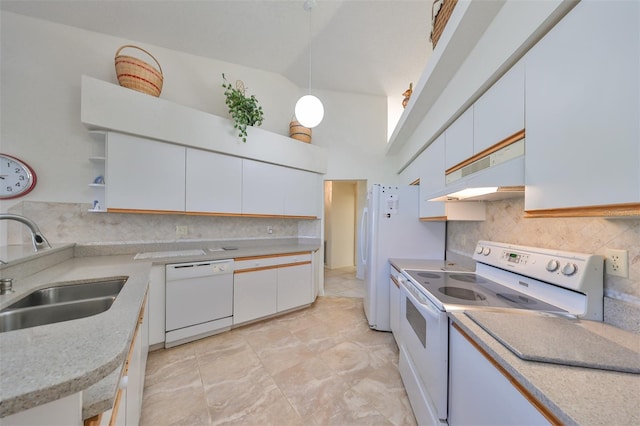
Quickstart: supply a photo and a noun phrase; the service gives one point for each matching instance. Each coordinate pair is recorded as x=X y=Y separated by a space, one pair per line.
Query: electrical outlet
x=182 y=230
x=617 y=262
x=269 y=229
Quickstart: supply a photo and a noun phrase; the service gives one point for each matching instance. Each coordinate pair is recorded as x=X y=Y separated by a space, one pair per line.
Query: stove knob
x=486 y=251
x=479 y=249
x=552 y=265
x=569 y=269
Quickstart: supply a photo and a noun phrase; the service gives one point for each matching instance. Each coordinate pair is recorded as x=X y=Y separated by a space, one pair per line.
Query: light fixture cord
x=310 y=6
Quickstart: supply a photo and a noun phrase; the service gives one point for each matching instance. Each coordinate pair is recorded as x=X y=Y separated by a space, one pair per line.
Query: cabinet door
x=394 y=310
x=432 y=179
x=254 y=294
x=213 y=182
x=499 y=113
x=582 y=109
x=262 y=191
x=295 y=286
x=302 y=193
x=480 y=394
x=459 y=139
x=156 y=305
x=144 y=174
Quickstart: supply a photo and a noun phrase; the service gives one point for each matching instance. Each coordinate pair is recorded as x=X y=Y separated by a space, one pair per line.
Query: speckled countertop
x=576 y=395
x=44 y=363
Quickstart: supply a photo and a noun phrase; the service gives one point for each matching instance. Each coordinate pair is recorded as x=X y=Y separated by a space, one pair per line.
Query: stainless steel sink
x=60 y=303
x=69 y=293
x=17 y=319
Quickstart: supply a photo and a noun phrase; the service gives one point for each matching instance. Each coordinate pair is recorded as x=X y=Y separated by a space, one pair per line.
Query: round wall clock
x=16 y=177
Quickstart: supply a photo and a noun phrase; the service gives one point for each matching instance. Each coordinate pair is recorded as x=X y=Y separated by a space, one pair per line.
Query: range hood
x=497 y=174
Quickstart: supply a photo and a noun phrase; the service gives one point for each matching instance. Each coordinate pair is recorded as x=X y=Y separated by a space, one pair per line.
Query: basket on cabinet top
x=136 y=74
x=440 y=12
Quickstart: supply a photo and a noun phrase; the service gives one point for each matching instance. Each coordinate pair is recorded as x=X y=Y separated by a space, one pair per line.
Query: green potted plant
x=244 y=110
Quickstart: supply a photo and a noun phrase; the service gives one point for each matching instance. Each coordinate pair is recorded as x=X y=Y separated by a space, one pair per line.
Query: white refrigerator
x=391 y=228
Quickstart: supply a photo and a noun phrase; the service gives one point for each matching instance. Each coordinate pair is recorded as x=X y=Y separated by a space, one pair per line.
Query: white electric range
x=507 y=278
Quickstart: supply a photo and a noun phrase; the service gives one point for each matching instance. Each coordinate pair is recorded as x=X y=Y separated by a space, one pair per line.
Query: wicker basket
x=299 y=132
x=138 y=75
x=440 y=19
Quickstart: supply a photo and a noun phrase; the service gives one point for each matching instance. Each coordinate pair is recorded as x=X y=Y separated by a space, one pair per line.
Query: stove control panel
x=567 y=269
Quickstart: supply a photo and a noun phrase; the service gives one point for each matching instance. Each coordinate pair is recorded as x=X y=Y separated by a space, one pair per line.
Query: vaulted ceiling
x=365 y=46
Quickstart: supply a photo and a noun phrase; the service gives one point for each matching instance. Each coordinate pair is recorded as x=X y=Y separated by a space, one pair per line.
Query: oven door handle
x=427 y=307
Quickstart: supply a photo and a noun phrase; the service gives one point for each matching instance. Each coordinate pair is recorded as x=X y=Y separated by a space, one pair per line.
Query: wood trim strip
x=395 y=281
x=552 y=418
x=415 y=182
x=607 y=210
x=270 y=256
x=264 y=268
x=93 y=421
x=116 y=407
x=136 y=211
x=180 y=212
x=213 y=214
x=493 y=148
x=433 y=219
x=125 y=369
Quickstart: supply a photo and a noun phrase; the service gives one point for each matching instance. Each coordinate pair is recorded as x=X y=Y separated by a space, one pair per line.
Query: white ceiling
x=364 y=46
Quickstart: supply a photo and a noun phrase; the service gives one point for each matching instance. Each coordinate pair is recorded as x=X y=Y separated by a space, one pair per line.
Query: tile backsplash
x=505 y=223
x=73 y=223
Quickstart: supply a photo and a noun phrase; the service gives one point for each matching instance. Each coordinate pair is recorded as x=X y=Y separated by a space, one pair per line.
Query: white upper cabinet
x=213 y=182
x=302 y=193
x=432 y=179
x=499 y=113
x=144 y=174
x=459 y=142
x=582 y=113
x=269 y=189
x=262 y=191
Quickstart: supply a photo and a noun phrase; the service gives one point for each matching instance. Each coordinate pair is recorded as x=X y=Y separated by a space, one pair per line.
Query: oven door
x=424 y=336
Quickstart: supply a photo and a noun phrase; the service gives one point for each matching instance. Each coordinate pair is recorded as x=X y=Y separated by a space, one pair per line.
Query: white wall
x=40 y=68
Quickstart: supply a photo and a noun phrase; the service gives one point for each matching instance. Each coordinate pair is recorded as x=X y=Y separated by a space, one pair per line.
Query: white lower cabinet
x=265 y=285
x=254 y=294
x=128 y=404
x=394 y=309
x=63 y=411
x=156 y=305
x=480 y=394
x=294 y=286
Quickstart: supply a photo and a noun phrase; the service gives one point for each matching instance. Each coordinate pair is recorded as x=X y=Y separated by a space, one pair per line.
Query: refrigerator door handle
x=363 y=235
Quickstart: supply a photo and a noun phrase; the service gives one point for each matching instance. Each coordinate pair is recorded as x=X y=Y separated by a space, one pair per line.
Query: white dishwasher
x=199 y=300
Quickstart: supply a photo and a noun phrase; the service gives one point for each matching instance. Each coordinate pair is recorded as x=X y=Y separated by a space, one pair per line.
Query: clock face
x=16 y=177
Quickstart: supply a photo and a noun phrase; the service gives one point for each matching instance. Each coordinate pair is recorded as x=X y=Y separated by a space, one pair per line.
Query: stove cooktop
x=459 y=290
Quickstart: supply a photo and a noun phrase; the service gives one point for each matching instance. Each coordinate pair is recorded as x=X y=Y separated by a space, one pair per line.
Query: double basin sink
x=60 y=303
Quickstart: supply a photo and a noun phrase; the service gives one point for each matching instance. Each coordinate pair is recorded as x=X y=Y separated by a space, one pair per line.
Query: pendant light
x=309 y=110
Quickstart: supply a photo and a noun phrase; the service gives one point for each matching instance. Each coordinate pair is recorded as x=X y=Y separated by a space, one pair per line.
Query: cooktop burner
x=461 y=293
x=428 y=275
x=452 y=290
x=468 y=278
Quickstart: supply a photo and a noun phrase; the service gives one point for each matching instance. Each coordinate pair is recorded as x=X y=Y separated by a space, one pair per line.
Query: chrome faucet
x=39 y=241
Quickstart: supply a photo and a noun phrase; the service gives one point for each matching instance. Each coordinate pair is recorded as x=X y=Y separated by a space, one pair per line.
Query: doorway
x=344 y=201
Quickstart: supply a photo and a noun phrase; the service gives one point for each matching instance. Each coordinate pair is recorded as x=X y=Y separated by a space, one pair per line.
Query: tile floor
x=317 y=366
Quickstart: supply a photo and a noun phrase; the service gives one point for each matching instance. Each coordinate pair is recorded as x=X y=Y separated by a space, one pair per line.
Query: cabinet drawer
x=258 y=262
